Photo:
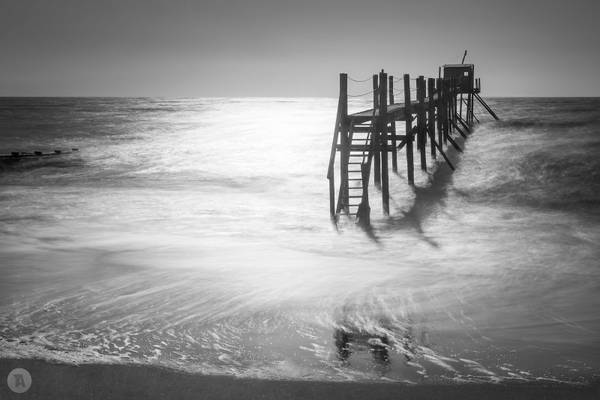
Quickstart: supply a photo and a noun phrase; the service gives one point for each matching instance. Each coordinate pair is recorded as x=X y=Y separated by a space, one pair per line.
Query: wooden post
x=342 y=104
x=363 y=214
x=454 y=102
x=421 y=127
x=344 y=142
x=431 y=114
x=471 y=114
x=383 y=140
x=451 y=110
x=375 y=88
x=409 y=137
x=454 y=105
x=450 y=107
x=393 y=126
x=376 y=147
x=438 y=85
x=445 y=108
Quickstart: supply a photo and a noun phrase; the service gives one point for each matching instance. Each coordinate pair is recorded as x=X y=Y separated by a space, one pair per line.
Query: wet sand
x=103 y=381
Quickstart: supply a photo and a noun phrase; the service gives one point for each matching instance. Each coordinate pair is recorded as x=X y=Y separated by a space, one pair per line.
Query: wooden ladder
x=352 y=187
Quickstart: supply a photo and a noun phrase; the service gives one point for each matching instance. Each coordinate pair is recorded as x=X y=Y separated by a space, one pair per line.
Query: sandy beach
x=89 y=381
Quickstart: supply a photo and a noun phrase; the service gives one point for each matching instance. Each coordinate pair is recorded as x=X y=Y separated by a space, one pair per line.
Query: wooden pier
x=442 y=108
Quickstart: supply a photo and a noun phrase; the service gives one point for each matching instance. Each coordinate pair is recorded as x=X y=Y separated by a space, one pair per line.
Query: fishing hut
x=429 y=112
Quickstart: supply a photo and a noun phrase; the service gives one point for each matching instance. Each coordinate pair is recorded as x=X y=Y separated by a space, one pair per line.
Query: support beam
x=434 y=143
x=445 y=108
x=410 y=168
x=393 y=125
x=456 y=146
x=421 y=123
x=438 y=110
x=464 y=124
x=363 y=214
x=383 y=139
x=459 y=130
x=375 y=140
x=488 y=109
x=431 y=114
x=342 y=105
x=343 y=199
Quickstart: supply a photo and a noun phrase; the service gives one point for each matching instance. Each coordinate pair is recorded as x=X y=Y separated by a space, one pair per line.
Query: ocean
x=194 y=234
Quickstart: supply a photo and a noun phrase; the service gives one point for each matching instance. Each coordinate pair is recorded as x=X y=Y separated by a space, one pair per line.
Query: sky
x=292 y=48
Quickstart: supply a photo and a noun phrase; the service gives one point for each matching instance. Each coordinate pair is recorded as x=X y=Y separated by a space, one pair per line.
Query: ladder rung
x=355 y=197
x=355 y=188
x=355 y=179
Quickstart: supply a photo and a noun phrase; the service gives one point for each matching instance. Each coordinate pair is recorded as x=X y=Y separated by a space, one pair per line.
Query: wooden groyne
x=17 y=156
x=365 y=140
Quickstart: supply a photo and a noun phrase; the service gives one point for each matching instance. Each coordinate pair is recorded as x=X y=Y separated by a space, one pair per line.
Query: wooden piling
x=454 y=105
x=393 y=126
x=408 y=127
x=450 y=106
x=438 y=111
x=421 y=126
x=345 y=144
x=431 y=115
x=342 y=105
x=376 y=147
x=383 y=140
x=444 y=110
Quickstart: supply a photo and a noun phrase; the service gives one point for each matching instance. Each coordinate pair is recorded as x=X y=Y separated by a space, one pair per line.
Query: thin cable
x=362 y=94
x=359 y=80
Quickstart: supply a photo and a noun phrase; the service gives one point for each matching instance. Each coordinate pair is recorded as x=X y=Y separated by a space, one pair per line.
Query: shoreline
x=112 y=381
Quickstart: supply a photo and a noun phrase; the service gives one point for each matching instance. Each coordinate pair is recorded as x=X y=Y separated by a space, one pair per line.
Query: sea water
x=195 y=234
